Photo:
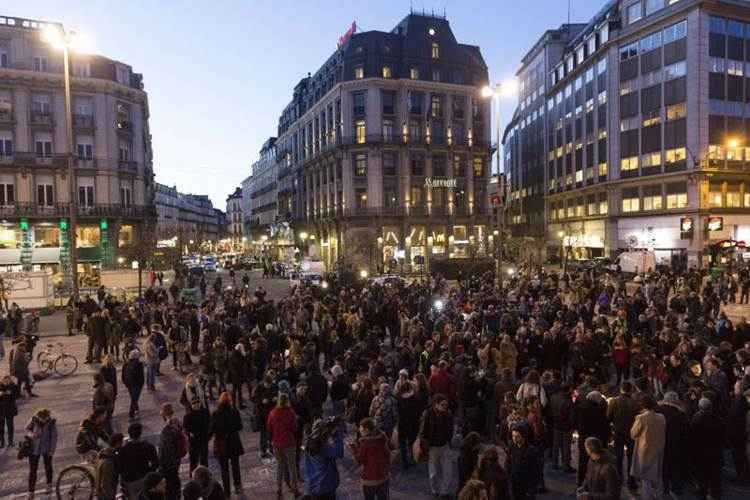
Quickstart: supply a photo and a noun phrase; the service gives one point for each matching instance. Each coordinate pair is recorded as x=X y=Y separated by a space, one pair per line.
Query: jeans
x=650 y=489
x=135 y=395
x=561 y=441
x=440 y=467
x=6 y=422
x=405 y=443
x=151 y=375
x=286 y=467
x=34 y=466
x=379 y=492
x=264 y=444
x=224 y=463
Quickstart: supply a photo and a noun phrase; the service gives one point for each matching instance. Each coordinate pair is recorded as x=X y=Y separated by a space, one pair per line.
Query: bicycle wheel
x=66 y=365
x=75 y=483
x=42 y=360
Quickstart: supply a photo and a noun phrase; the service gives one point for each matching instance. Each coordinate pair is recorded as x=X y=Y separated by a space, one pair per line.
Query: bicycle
x=61 y=362
x=80 y=478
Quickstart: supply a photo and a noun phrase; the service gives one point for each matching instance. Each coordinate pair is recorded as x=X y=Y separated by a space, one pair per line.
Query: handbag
x=25 y=447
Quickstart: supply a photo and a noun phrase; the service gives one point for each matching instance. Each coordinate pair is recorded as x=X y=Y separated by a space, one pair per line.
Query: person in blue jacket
x=323 y=447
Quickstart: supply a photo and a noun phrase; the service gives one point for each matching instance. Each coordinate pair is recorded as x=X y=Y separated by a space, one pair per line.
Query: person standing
x=237 y=371
x=42 y=430
x=9 y=393
x=522 y=465
x=621 y=413
x=591 y=421
x=225 y=427
x=282 y=427
x=106 y=477
x=153 y=357
x=323 y=447
x=706 y=430
x=561 y=408
x=372 y=452
x=169 y=450
x=133 y=379
x=135 y=460
x=409 y=411
x=263 y=401
x=436 y=432
x=196 y=423
x=675 y=438
x=19 y=367
x=648 y=433
x=602 y=480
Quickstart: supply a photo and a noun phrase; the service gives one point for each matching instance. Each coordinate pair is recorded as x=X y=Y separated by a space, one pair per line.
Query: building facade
x=112 y=155
x=645 y=131
x=186 y=216
x=384 y=152
x=264 y=195
x=247 y=204
x=234 y=217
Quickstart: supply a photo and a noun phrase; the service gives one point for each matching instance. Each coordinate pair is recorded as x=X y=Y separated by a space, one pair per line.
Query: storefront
x=577 y=240
x=660 y=235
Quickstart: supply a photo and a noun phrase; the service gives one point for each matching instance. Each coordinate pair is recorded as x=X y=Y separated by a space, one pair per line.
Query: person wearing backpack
x=135 y=459
x=173 y=446
x=106 y=477
x=225 y=427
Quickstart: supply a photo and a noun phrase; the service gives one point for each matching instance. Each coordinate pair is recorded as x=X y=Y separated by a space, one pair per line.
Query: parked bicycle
x=61 y=362
x=76 y=482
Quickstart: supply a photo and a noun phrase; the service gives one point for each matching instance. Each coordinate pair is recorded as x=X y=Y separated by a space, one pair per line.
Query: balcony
x=125 y=127
x=41 y=119
x=83 y=162
x=83 y=122
x=114 y=210
x=6 y=158
x=128 y=166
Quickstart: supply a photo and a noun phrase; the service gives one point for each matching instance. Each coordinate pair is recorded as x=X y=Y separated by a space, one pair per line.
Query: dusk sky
x=219 y=73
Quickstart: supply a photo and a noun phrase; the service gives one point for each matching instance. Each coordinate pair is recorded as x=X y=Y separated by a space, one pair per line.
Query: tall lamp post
x=56 y=36
x=496 y=92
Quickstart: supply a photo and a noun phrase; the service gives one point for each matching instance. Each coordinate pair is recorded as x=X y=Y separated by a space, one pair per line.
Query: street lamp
x=56 y=36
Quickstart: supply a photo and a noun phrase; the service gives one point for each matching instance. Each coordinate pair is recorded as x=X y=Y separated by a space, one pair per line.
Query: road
x=69 y=400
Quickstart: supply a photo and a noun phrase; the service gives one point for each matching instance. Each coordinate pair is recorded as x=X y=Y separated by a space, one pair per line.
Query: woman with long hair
x=225 y=427
x=491 y=473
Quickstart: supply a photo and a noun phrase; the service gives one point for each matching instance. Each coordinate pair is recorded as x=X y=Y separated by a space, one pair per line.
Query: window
x=81 y=69
x=603 y=169
x=41 y=63
x=435 y=75
x=417 y=164
x=676 y=111
x=44 y=194
x=126 y=196
x=717 y=25
x=651 y=160
x=359 y=127
x=675 y=32
x=360 y=165
x=124 y=152
x=676 y=200
x=388 y=130
x=43 y=147
x=123 y=75
x=603 y=205
x=435 y=50
x=652 y=199
x=674 y=155
x=387 y=72
x=359 y=72
x=604 y=33
x=459 y=166
x=6 y=145
x=3 y=57
x=415 y=103
x=733 y=196
x=360 y=195
x=627 y=164
x=478 y=164
x=650 y=42
x=436 y=106
x=715 y=197
x=359 y=99
x=629 y=123
x=735 y=68
x=85 y=151
x=7 y=194
x=653 y=5
x=635 y=12
x=414 y=73
x=631 y=204
x=591 y=45
x=389 y=102
x=629 y=51
x=580 y=54
x=417 y=196
x=85 y=196
x=389 y=163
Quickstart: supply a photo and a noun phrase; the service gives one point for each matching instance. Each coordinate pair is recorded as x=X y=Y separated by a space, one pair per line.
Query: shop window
x=46 y=237
x=9 y=238
x=127 y=235
x=87 y=237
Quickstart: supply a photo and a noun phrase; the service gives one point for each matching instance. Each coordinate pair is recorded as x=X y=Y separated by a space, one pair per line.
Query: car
x=209 y=265
x=388 y=280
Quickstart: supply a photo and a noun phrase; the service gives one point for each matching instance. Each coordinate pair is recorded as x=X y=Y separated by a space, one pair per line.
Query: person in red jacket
x=441 y=382
x=373 y=452
x=282 y=427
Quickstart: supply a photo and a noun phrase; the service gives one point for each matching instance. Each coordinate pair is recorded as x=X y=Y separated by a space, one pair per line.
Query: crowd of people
x=642 y=384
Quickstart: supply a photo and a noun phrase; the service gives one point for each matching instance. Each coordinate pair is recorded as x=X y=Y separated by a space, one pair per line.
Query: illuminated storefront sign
x=715 y=223
x=348 y=34
x=439 y=182
x=686 y=228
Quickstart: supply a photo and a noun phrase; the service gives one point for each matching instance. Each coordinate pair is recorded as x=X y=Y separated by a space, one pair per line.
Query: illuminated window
x=580 y=210
x=387 y=72
x=715 y=197
x=414 y=73
x=359 y=127
x=631 y=205
x=359 y=72
x=716 y=153
x=647 y=122
x=651 y=160
x=674 y=155
x=579 y=176
x=676 y=111
x=652 y=202
x=478 y=164
x=733 y=199
x=677 y=200
x=630 y=163
x=435 y=50
x=603 y=207
x=735 y=154
x=570 y=211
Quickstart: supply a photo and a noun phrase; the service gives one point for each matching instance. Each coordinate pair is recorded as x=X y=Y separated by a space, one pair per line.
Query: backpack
x=182 y=443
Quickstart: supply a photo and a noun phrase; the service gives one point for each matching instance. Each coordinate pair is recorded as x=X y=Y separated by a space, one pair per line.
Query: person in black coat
x=133 y=378
x=737 y=435
x=410 y=409
x=9 y=393
x=706 y=439
x=224 y=428
x=237 y=371
x=675 y=434
x=195 y=423
x=317 y=391
x=590 y=416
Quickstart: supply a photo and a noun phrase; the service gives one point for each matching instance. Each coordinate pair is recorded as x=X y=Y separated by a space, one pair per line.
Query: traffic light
x=63 y=225
x=24 y=224
x=103 y=224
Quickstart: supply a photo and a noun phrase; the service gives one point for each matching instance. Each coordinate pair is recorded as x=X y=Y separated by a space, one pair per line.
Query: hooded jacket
x=373 y=453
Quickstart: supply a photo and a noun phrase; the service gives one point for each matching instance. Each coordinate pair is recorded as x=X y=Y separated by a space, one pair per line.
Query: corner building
x=646 y=128
x=112 y=155
x=389 y=139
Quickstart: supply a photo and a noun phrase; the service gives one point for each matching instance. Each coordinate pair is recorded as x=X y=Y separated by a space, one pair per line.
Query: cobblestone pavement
x=69 y=400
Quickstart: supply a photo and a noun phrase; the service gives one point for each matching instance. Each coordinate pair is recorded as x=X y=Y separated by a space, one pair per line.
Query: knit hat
x=151 y=480
x=336 y=371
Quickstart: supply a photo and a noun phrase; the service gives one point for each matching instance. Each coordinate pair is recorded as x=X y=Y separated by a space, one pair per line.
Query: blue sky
x=219 y=73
